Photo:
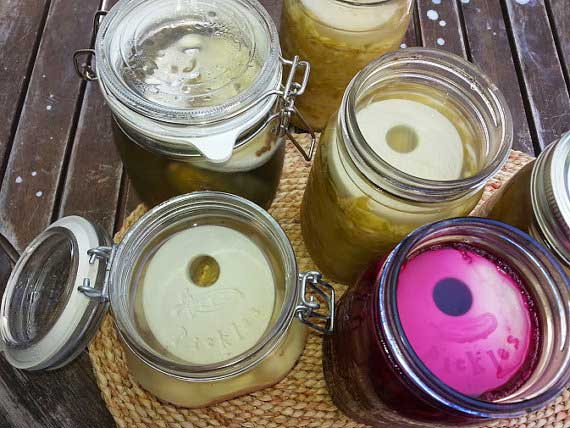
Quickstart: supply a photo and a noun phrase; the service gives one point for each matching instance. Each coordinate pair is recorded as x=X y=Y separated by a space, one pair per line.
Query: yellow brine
x=338 y=38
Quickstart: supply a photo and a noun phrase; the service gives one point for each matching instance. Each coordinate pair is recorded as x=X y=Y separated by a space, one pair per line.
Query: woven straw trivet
x=301 y=399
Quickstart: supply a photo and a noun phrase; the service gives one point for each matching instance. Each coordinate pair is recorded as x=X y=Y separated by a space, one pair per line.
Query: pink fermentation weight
x=469 y=319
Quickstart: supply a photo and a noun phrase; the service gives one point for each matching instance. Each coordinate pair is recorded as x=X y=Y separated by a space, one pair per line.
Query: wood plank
x=69 y=397
x=413 y=34
x=93 y=180
x=21 y=24
x=129 y=201
x=95 y=166
x=274 y=8
x=560 y=16
x=541 y=69
x=440 y=26
x=490 y=49
x=46 y=125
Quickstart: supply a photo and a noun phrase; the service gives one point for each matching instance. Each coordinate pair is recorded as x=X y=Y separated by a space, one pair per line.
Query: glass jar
x=196 y=95
x=418 y=134
x=373 y=371
x=170 y=284
x=338 y=38
x=541 y=193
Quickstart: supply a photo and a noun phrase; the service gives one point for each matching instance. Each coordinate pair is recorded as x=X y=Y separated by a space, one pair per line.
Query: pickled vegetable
x=338 y=39
x=157 y=178
x=347 y=221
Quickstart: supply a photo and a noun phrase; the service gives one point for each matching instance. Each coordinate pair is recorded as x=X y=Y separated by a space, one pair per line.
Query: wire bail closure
x=84 y=59
x=313 y=289
x=85 y=69
x=105 y=255
x=291 y=91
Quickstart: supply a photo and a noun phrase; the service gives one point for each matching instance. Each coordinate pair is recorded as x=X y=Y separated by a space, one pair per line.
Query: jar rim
x=387 y=177
x=261 y=87
x=550 y=195
x=409 y=362
x=184 y=207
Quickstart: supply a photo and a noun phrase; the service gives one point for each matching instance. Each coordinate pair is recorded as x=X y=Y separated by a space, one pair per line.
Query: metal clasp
x=287 y=95
x=315 y=291
x=103 y=255
x=85 y=69
x=290 y=92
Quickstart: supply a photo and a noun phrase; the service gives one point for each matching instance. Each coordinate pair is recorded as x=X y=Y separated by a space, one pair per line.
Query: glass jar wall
x=196 y=95
x=205 y=293
x=418 y=134
x=176 y=276
x=541 y=194
x=339 y=38
x=253 y=172
x=381 y=368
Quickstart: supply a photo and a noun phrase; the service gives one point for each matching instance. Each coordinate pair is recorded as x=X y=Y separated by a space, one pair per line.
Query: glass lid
x=46 y=321
x=187 y=60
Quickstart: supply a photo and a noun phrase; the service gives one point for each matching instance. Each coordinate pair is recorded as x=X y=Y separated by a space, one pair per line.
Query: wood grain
x=93 y=181
x=129 y=201
x=413 y=36
x=66 y=398
x=541 y=69
x=274 y=9
x=21 y=24
x=440 y=26
x=489 y=48
x=46 y=125
x=66 y=153
x=560 y=15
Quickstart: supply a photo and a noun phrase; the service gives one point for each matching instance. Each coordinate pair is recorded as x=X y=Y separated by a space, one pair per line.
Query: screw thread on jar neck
x=551 y=198
x=464 y=85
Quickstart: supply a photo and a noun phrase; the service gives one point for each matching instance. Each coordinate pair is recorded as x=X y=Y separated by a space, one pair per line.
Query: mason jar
x=418 y=134
x=338 y=38
x=204 y=289
x=196 y=92
x=541 y=194
x=466 y=321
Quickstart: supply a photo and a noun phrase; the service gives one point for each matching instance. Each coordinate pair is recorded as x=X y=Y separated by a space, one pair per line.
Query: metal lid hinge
x=315 y=292
x=291 y=90
x=102 y=255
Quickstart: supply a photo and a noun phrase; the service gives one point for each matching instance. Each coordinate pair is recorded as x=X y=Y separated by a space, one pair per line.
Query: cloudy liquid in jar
x=419 y=131
x=469 y=319
x=191 y=64
x=338 y=39
x=347 y=223
x=207 y=294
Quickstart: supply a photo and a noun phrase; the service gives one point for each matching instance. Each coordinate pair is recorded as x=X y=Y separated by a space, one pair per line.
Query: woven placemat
x=301 y=399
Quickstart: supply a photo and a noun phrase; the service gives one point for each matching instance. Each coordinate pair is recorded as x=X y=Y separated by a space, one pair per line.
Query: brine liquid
x=157 y=178
x=469 y=319
x=419 y=131
x=191 y=64
x=338 y=39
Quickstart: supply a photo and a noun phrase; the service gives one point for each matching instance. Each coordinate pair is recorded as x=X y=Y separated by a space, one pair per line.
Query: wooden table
x=56 y=155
